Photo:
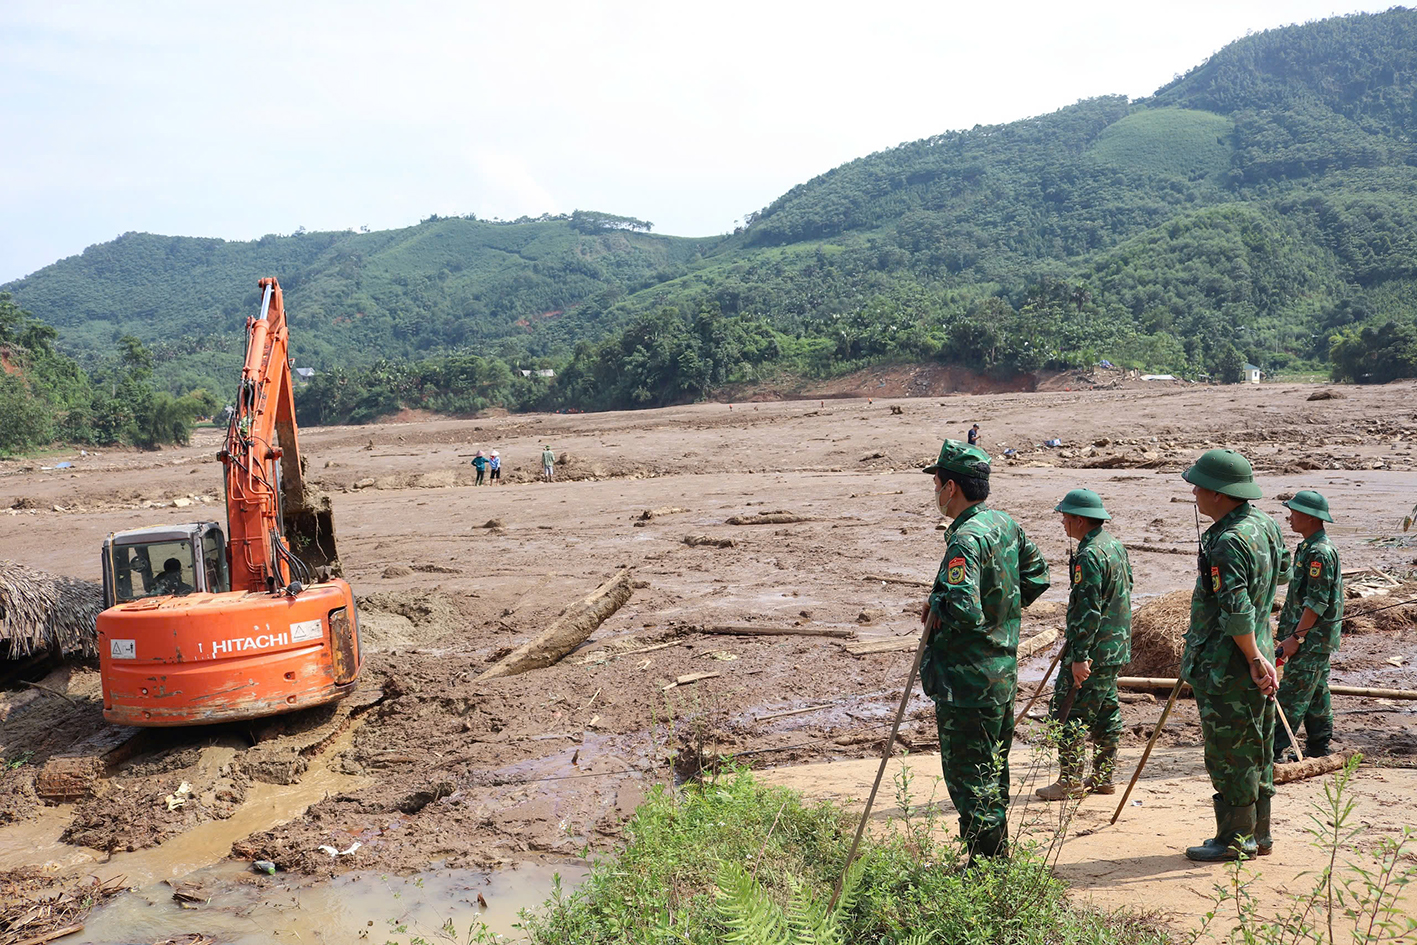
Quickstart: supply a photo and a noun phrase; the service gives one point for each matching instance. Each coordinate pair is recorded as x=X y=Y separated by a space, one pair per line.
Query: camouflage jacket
x=1317 y=583
x=1099 y=603
x=990 y=572
x=1243 y=559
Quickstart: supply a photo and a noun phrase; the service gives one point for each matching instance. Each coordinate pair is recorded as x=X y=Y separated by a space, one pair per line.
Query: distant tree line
x=46 y=396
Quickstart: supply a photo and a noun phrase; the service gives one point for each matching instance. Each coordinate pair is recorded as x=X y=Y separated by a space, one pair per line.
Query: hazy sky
x=240 y=119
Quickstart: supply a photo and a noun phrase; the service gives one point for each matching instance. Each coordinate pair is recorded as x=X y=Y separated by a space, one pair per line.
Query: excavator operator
x=170 y=580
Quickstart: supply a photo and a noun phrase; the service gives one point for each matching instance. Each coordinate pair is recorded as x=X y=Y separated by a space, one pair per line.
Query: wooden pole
x=880 y=772
x=1041 y=683
x=1165 y=682
x=1155 y=733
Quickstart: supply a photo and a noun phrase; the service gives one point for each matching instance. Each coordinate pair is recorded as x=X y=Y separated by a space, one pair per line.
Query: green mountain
x=1260 y=208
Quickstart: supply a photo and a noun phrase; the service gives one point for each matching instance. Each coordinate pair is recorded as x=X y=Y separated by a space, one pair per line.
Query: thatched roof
x=40 y=611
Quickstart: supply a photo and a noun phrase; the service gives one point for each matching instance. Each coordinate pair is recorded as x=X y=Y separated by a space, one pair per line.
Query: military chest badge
x=1316 y=569
x=1215 y=578
x=956 y=571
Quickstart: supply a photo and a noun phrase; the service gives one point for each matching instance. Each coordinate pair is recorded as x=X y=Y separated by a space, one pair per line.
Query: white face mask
x=940 y=500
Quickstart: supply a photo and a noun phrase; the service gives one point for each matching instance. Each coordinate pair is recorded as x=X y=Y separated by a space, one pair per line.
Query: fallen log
x=752 y=631
x=567 y=631
x=1368 y=692
x=694 y=541
x=887 y=579
x=766 y=518
x=1312 y=767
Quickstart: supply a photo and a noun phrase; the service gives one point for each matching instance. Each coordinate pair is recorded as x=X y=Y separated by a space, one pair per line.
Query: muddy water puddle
x=246 y=909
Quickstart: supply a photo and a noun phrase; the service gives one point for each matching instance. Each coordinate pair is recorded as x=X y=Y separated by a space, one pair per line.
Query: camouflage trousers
x=1237 y=724
x=974 y=755
x=1094 y=712
x=1305 y=699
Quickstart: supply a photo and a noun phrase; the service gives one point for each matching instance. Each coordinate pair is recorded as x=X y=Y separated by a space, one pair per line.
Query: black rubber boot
x=1234 y=835
x=1316 y=748
x=1264 y=843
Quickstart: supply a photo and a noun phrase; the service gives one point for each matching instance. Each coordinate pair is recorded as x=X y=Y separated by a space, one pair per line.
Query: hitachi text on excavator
x=202 y=626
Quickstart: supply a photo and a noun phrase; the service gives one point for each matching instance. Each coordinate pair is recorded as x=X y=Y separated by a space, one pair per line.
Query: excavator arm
x=276 y=534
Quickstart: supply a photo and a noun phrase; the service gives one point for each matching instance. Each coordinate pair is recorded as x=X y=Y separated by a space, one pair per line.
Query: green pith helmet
x=961 y=458
x=1223 y=471
x=1310 y=503
x=1083 y=502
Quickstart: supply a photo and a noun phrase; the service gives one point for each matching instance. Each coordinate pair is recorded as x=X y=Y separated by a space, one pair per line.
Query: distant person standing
x=1309 y=628
x=480 y=462
x=974 y=435
x=495 y=464
x=548 y=463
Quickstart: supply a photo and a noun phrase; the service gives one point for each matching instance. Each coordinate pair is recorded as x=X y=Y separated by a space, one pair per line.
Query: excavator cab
x=167 y=560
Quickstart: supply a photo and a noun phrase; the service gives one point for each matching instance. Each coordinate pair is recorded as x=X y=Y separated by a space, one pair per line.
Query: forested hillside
x=1261 y=207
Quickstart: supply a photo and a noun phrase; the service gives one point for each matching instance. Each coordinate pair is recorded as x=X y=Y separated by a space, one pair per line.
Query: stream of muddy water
x=238 y=906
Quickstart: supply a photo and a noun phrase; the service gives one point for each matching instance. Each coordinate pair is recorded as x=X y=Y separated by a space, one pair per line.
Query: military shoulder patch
x=1077 y=574
x=1215 y=578
x=956 y=571
x=1316 y=569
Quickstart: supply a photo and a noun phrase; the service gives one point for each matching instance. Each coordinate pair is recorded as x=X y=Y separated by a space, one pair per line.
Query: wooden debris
x=1157 y=549
x=862 y=495
x=1312 y=767
x=779 y=517
x=1037 y=643
x=691 y=678
x=887 y=579
x=567 y=631
x=600 y=656
x=694 y=541
x=651 y=514
x=1368 y=692
x=801 y=711
x=889 y=645
x=755 y=631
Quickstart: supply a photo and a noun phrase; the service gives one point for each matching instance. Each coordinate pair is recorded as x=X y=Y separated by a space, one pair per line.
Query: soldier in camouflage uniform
x=1242 y=560
x=1096 y=644
x=990 y=571
x=1309 y=627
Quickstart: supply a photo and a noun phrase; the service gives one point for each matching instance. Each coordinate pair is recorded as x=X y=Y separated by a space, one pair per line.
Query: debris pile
x=1158 y=635
x=46 y=612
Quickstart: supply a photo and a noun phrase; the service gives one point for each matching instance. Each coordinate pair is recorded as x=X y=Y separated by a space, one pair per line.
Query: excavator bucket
x=310 y=531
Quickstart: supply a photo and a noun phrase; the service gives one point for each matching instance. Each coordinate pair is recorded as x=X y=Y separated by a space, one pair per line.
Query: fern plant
x=751 y=917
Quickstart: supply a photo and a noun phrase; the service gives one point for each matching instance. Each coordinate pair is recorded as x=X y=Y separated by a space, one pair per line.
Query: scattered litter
x=64 y=465
x=1396 y=660
x=264 y=866
x=179 y=797
x=326 y=848
x=1053 y=442
x=725 y=656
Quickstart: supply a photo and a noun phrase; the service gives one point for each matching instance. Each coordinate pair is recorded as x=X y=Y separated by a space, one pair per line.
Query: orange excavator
x=204 y=627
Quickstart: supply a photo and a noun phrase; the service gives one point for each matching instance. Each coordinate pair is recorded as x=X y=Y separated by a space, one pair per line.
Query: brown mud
x=439 y=767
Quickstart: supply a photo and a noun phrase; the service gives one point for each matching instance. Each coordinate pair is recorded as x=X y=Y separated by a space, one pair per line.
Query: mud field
x=429 y=767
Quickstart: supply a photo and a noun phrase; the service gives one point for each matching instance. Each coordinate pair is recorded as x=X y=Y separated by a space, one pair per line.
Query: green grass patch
x=734 y=860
